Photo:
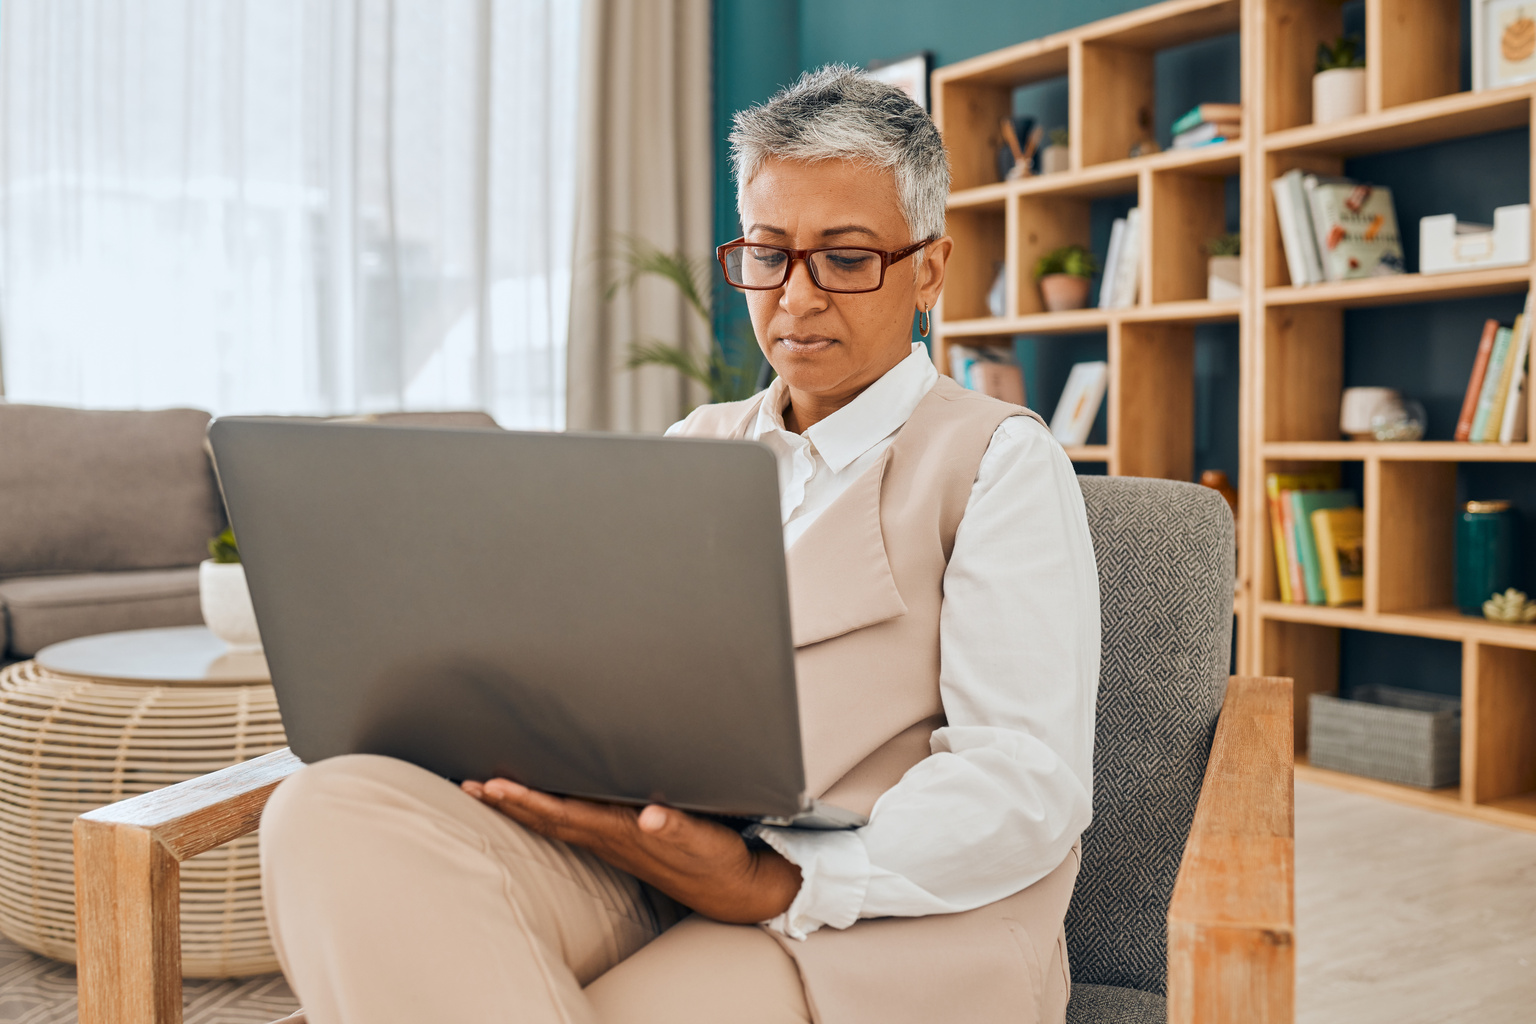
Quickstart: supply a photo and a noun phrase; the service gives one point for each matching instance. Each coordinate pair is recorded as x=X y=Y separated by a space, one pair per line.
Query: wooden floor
x=1406 y=916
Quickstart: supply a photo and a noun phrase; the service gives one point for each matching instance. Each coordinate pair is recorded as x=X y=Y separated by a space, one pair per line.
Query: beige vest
x=866 y=583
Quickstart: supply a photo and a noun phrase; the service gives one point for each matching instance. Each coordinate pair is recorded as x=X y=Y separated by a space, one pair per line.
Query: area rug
x=36 y=990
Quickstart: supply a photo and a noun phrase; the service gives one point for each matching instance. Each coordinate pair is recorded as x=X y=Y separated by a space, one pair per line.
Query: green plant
x=1069 y=259
x=222 y=548
x=1230 y=244
x=1059 y=136
x=1346 y=52
x=725 y=380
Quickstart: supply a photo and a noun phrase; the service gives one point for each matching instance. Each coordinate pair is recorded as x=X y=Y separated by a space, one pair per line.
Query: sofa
x=105 y=515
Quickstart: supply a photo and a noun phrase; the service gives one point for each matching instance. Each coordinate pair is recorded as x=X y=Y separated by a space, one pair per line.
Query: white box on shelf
x=1446 y=246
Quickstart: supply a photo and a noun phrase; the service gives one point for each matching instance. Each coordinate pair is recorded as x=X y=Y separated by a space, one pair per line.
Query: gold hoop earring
x=924 y=322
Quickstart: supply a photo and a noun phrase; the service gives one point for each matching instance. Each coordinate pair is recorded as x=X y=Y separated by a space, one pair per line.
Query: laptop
x=596 y=616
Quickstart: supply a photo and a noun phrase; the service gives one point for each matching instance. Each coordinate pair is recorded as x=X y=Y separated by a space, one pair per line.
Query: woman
x=946 y=625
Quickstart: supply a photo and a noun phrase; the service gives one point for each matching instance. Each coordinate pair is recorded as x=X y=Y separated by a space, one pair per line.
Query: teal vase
x=1487 y=553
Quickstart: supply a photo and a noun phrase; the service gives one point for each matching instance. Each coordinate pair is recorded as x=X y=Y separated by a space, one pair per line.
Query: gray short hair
x=838 y=112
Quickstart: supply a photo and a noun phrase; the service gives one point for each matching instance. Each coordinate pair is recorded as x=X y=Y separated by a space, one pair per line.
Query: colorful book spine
x=1340 y=534
x=1490 y=431
x=1281 y=530
x=1303 y=504
x=1292 y=553
x=1475 y=382
x=1490 y=382
x=1514 y=400
x=1277 y=536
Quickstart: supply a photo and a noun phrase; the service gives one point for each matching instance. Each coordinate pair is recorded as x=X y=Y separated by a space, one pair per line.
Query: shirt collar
x=874 y=415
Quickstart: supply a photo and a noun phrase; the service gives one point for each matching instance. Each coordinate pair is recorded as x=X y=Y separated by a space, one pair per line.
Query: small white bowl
x=226 y=604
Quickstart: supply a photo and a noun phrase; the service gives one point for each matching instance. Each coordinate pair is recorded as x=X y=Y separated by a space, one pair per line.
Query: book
x=1495 y=423
x=1296 y=235
x=1496 y=360
x=1356 y=228
x=1304 y=503
x=1003 y=381
x=1292 y=553
x=1208 y=112
x=1340 y=534
x=1274 y=485
x=1475 y=382
x=1127 y=279
x=1111 y=262
x=1079 y=404
x=1207 y=133
x=1515 y=406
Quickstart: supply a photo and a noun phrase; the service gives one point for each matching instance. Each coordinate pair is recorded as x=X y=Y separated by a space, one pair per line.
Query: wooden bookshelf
x=1291 y=339
x=1295 y=355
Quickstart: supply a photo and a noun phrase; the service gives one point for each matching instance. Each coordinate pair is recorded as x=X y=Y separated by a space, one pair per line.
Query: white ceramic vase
x=1055 y=159
x=1224 y=278
x=226 y=604
x=1337 y=93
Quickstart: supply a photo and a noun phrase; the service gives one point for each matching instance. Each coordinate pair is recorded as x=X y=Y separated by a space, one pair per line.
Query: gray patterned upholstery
x=1165 y=553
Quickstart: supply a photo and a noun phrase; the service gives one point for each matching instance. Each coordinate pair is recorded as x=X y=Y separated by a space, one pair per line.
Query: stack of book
x=1319 y=536
x=1079 y=404
x=1207 y=124
x=1334 y=229
x=991 y=371
x=1122 y=264
x=1494 y=410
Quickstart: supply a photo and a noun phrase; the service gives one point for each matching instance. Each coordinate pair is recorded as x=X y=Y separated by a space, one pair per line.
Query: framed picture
x=909 y=74
x=1503 y=42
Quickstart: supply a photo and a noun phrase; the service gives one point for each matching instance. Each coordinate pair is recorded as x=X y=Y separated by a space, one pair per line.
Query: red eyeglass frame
x=804 y=255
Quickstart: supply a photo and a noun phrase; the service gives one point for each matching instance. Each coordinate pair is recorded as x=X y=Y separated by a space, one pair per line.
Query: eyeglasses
x=846 y=270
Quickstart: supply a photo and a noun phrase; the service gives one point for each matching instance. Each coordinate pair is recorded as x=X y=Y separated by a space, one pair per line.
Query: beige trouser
x=395 y=897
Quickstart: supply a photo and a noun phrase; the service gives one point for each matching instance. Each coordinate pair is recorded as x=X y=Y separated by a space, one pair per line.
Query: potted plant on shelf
x=1338 y=87
x=224 y=596
x=1063 y=275
x=1224 y=268
x=1057 y=156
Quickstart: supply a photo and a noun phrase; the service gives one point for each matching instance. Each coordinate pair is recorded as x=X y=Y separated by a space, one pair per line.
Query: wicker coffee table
x=94 y=720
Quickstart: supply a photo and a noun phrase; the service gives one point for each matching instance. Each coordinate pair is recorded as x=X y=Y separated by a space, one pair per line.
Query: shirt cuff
x=834 y=874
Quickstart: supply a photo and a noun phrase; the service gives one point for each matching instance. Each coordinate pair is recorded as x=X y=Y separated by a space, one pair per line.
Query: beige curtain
x=644 y=166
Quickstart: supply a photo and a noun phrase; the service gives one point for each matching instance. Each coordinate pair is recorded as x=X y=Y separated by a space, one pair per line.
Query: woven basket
x=69 y=745
x=1405 y=736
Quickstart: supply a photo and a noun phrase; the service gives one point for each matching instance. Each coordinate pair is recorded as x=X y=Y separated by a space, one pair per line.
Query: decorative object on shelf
x=1503 y=43
x=1146 y=144
x=1405 y=421
x=1510 y=606
x=1360 y=405
x=1057 y=155
x=991 y=371
x=1224 y=268
x=1064 y=275
x=1011 y=164
x=1487 y=552
x=225 y=599
x=1338 y=87
x=997 y=295
x=1079 y=405
x=1278 y=488
x=1340 y=536
x=1410 y=737
x=1218 y=481
x=909 y=73
x=1447 y=245
x=1121 y=283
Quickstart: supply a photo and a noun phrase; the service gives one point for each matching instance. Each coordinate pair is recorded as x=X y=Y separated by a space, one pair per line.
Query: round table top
x=182 y=654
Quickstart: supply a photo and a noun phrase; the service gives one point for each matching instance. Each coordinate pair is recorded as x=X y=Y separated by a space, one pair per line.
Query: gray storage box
x=1384 y=732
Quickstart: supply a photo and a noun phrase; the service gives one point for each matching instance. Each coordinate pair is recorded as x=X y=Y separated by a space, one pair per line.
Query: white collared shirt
x=1007 y=788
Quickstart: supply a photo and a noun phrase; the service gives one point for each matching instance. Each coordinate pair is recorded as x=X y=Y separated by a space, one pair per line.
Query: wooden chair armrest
x=127 y=884
x=1231 y=923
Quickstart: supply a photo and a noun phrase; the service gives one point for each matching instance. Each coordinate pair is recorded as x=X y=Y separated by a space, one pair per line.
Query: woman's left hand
x=701 y=864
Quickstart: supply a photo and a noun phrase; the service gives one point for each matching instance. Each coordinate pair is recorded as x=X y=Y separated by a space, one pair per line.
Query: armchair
x=1184 y=906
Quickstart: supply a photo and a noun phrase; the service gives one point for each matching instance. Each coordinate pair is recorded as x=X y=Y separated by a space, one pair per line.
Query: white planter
x=1224 y=278
x=1337 y=94
x=1055 y=159
x=227 y=604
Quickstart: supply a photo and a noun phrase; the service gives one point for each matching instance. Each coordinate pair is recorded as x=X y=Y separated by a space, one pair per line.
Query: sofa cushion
x=42 y=610
x=1111 y=1004
x=93 y=491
